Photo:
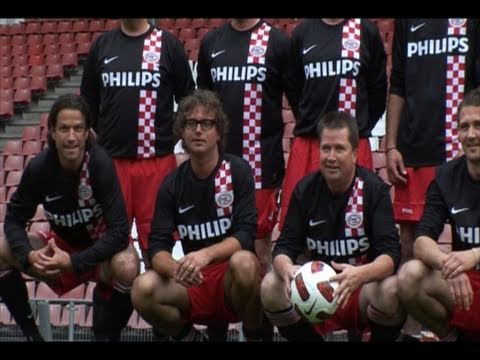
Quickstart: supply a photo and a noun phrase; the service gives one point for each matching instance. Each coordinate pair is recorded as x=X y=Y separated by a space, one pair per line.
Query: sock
x=189 y=333
x=14 y=294
x=217 y=332
x=267 y=329
x=292 y=326
x=252 y=335
x=110 y=313
x=380 y=332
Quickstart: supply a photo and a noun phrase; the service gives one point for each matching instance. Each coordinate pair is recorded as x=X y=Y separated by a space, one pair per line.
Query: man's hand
x=458 y=262
x=189 y=268
x=461 y=290
x=397 y=174
x=349 y=279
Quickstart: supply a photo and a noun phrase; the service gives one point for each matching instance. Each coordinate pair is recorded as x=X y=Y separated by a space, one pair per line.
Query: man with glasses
x=210 y=201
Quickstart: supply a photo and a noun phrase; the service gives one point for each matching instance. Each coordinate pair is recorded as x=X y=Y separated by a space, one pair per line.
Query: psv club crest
x=224 y=199
x=151 y=57
x=354 y=219
x=457 y=22
x=84 y=191
x=351 y=44
x=257 y=50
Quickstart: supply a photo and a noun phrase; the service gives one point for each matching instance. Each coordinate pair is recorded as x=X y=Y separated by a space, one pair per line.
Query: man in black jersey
x=210 y=201
x=341 y=215
x=442 y=289
x=434 y=62
x=246 y=63
x=131 y=77
x=337 y=65
x=75 y=181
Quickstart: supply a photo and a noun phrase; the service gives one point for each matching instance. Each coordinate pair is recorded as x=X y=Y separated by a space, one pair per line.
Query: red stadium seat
x=32 y=147
x=64 y=27
x=33 y=39
x=199 y=23
x=38 y=70
x=48 y=27
x=96 y=25
x=22 y=98
x=35 y=49
x=33 y=27
x=112 y=24
x=80 y=26
x=201 y=32
x=31 y=133
x=20 y=71
x=6 y=108
x=13 y=178
x=37 y=59
x=182 y=23
x=166 y=23
x=20 y=39
x=13 y=163
x=55 y=72
x=13 y=147
x=216 y=22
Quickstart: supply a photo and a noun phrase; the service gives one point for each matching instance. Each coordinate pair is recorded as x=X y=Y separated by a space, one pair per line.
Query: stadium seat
x=50 y=39
x=20 y=71
x=3 y=211
x=199 y=23
x=69 y=61
x=66 y=38
x=80 y=26
x=48 y=27
x=37 y=59
x=192 y=44
x=16 y=29
x=13 y=178
x=5 y=59
x=6 y=108
x=38 y=70
x=83 y=49
x=13 y=162
x=112 y=24
x=13 y=147
x=18 y=49
x=55 y=71
x=201 y=32
x=96 y=25
x=19 y=39
x=20 y=60
x=30 y=133
x=166 y=23
x=32 y=147
x=5 y=49
x=187 y=33
x=34 y=49
x=214 y=23
x=44 y=292
x=82 y=37
x=35 y=38
x=10 y=191
x=3 y=195
x=64 y=27
x=22 y=98
x=4 y=40
x=77 y=293
x=182 y=23
x=7 y=88
x=43 y=120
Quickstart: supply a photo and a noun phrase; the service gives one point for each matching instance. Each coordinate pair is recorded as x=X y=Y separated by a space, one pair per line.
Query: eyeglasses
x=205 y=124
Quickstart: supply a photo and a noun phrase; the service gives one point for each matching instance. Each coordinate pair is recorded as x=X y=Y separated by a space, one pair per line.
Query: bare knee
x=245 y=268
x=126 y=266
x=143 y=288
x=272 y=292
x=409 y=277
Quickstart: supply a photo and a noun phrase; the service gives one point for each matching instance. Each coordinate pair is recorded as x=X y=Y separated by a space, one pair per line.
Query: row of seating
x=38 y=26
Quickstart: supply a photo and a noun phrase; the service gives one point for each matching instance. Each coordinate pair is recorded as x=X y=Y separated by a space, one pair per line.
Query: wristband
x=389 y=149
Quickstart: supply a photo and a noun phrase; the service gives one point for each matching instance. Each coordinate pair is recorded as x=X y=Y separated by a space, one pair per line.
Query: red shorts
x=305 y=159
x=207 y=300
x=468 y=321
x=409 y=200
x=266 y=202
x=344 y=318
x=140 y=180
x=67 y=281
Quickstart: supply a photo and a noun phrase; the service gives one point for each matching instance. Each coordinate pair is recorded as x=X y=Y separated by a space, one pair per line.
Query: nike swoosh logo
x=183 y=210
x=53 y=198
x=456 y=211
x=215 y=54
x=305 y=51
x=107 y=61
x=309 y=311
x=315 y=223
x=415 y=28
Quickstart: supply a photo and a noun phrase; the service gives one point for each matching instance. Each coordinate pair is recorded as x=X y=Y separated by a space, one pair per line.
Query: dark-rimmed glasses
x=205 y=124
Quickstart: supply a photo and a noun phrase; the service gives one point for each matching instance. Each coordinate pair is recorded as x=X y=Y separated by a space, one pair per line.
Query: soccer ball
x=312 y=292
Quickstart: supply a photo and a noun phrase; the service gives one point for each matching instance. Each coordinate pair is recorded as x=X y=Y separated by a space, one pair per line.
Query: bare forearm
x=382 y=267
x=394 y=112
x=164 y=264
x=222 y=250
x=427 y=250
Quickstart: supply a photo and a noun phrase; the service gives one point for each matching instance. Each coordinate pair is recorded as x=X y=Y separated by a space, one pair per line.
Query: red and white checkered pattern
x=252 y=106
x=97 y=227
x=455 y=87
x=347 y=94
x=152 y=49
x=259 y=39
x=146 y=123
x=355 y=205
x=223 y=184
x=152 y=45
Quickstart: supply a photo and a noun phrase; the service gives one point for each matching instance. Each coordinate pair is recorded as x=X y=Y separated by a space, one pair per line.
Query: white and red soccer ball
x=312 y=292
